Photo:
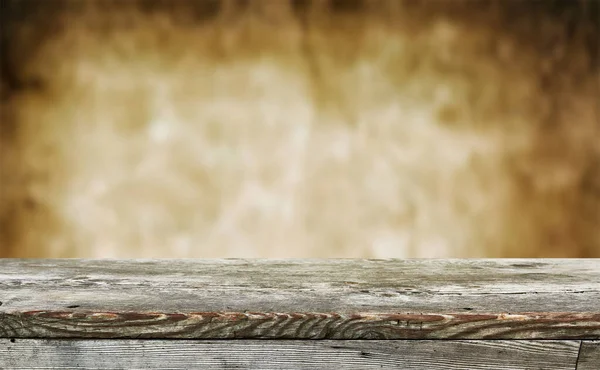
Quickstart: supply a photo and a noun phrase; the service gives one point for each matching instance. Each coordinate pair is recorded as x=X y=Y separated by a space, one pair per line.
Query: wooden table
x=311 y=314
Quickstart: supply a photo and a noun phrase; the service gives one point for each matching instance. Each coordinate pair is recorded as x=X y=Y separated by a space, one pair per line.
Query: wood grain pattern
x=256 y=354
x=589 y=356
x=301 y=299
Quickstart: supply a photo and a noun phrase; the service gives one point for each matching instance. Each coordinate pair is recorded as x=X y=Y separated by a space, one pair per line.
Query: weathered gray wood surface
x=286 y=354
x=320 y=299
x=589 y=356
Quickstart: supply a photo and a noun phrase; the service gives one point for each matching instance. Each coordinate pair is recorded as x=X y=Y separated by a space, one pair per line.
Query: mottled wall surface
x=300 y=129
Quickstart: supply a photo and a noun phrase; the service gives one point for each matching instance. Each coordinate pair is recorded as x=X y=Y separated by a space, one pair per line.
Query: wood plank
x=589 y=356
x=301 y=299
x=286 y=354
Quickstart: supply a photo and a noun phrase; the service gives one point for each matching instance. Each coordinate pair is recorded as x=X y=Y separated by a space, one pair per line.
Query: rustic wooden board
x=286 y=354
x=301 y=299
x=589 y=356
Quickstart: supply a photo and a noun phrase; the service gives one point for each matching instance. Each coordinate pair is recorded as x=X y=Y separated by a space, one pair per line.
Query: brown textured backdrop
x=273 y=128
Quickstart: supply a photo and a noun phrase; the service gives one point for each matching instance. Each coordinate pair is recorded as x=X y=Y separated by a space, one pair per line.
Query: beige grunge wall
x=300 y=129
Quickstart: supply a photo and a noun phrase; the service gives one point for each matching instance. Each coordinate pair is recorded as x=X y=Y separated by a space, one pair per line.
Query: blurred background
x=315 y=128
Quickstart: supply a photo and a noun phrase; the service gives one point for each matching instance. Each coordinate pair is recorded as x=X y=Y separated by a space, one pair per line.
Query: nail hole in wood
x=73 y=306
